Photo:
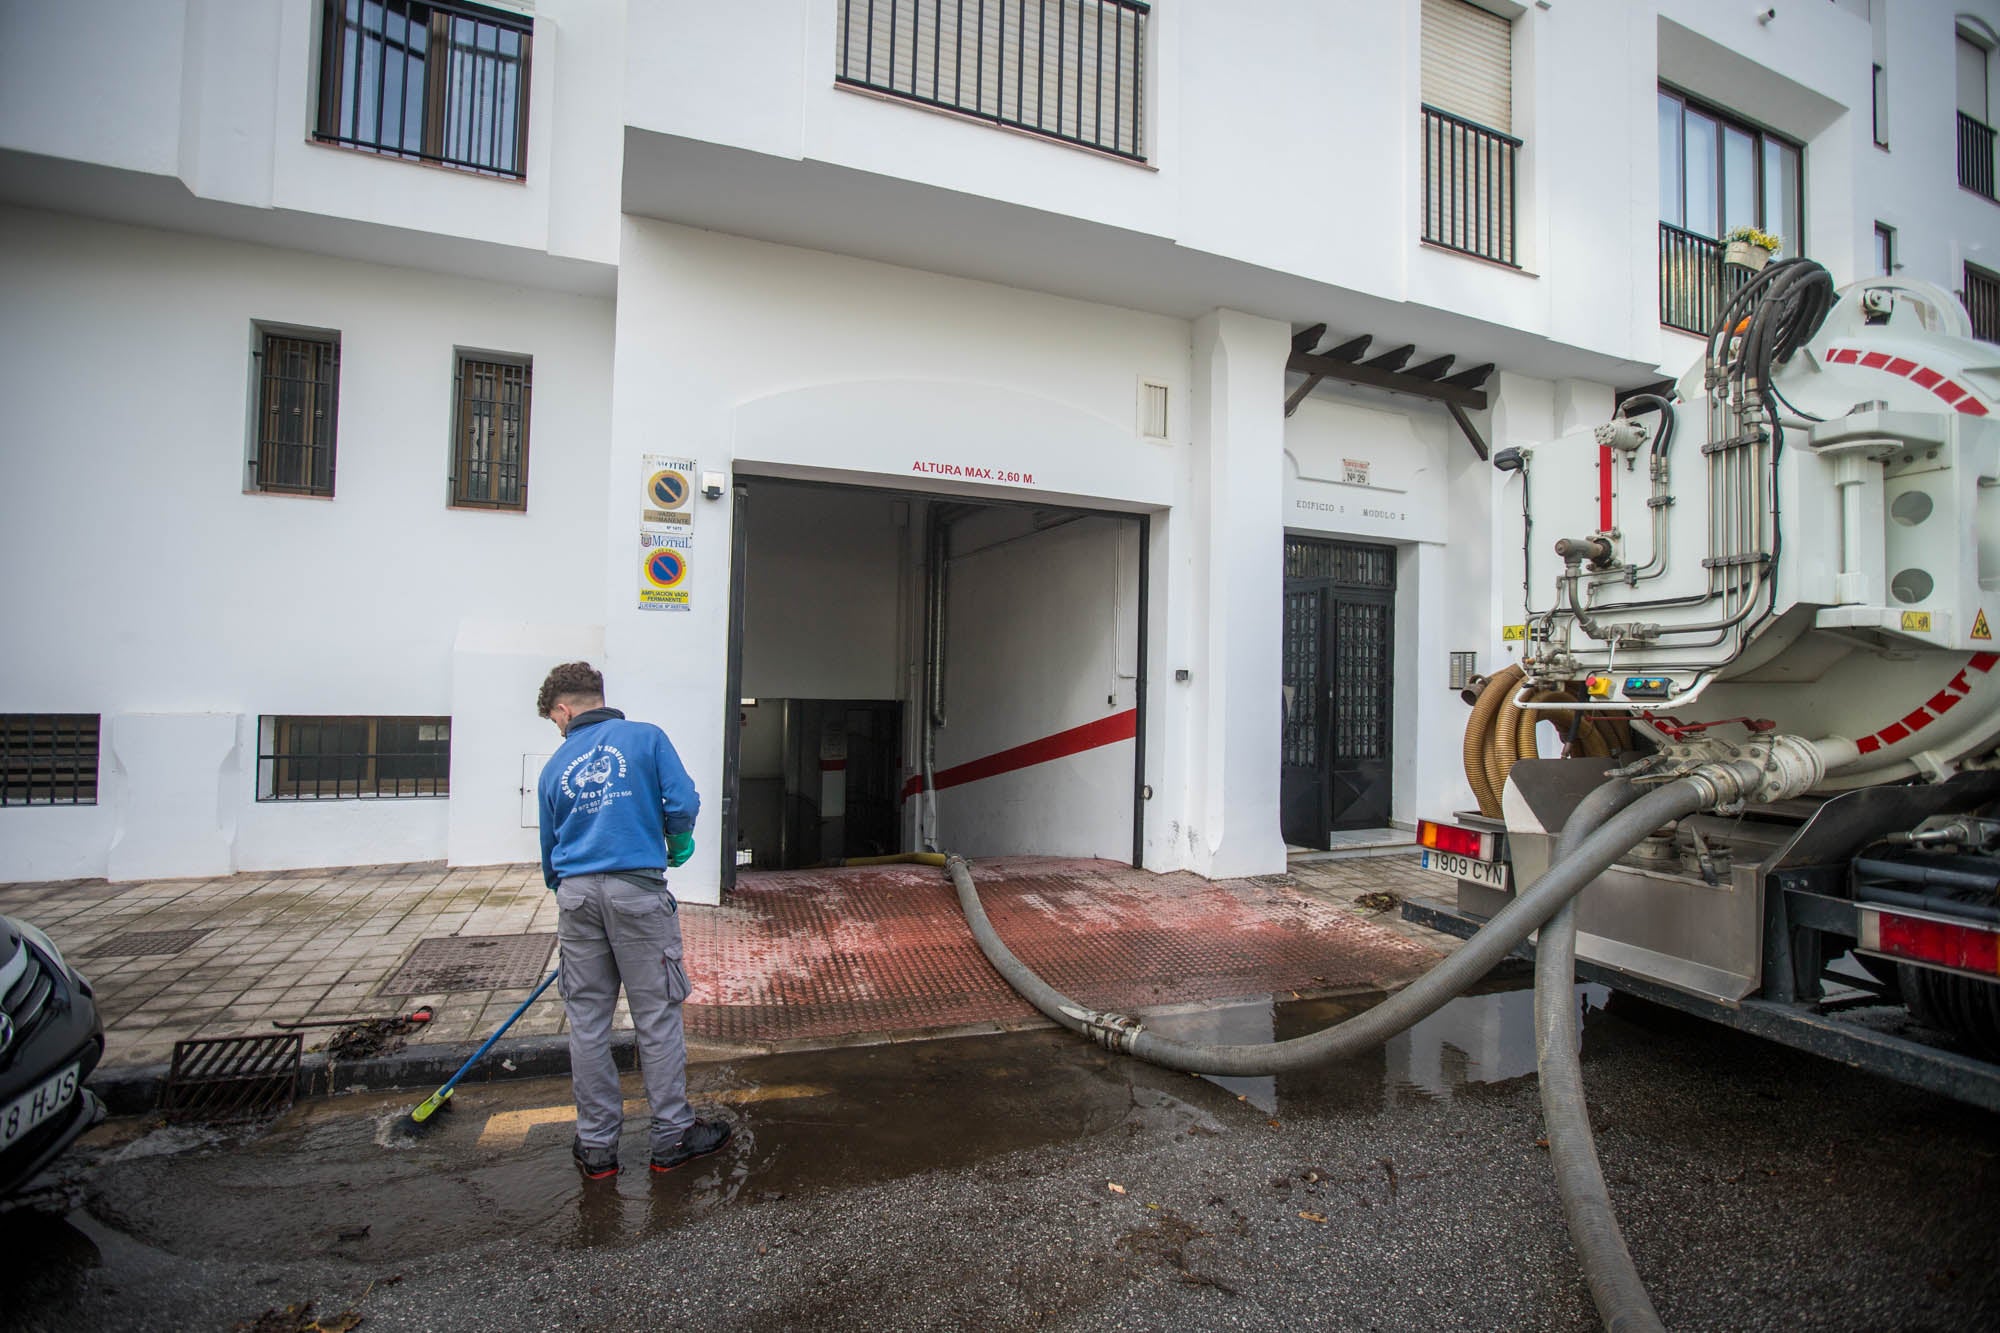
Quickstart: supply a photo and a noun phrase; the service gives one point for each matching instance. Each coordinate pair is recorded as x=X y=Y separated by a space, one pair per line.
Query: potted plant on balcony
x=1748 y=248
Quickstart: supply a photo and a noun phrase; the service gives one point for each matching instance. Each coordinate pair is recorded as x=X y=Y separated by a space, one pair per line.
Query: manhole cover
x=472 y=962
x=139 y=942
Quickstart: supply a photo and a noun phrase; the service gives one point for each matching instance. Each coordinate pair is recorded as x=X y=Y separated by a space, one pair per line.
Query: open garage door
x=879 y=634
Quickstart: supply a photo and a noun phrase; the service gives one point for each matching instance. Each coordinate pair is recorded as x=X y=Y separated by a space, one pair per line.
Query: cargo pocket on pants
x=678 y=986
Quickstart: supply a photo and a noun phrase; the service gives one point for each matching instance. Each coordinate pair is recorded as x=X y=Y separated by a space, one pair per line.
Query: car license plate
x=1493 y=874
x=32 y=1108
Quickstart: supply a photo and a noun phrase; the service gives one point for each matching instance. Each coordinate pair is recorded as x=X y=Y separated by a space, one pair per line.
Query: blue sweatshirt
x=610 y=796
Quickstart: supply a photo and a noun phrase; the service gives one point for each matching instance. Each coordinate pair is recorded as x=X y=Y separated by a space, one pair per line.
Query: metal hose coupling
x=1114 y=1032
x=1770 y=768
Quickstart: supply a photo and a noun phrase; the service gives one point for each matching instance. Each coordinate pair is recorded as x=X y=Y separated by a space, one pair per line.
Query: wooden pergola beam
x=1373 y=376
x=1458 y=394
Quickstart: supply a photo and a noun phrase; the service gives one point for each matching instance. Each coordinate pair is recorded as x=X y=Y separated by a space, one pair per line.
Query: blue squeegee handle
x=498 y=1033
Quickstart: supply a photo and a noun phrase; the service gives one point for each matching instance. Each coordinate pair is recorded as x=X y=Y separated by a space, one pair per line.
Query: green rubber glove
x=680 y=846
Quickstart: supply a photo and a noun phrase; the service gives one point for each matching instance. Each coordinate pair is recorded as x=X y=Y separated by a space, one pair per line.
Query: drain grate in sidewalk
x=221 y=1079
x=135 y=943
x=471 y=962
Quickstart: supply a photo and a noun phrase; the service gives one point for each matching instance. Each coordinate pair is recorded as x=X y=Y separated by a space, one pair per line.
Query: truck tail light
x=1452 y=838
x=1962 y=946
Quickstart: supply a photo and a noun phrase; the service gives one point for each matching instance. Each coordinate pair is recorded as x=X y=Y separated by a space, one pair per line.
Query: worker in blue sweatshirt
x=617 y=809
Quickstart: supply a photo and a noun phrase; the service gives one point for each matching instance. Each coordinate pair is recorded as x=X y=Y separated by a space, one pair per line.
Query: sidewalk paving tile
x=806 y=957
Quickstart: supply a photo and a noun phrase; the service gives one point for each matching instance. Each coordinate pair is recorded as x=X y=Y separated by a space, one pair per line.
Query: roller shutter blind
x=1468 y=63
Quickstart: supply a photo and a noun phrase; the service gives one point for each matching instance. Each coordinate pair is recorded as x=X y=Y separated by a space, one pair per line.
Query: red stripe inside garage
x=1090 y=736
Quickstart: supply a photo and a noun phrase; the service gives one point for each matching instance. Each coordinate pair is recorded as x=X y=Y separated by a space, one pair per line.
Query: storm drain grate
x=472 y=962
x=135 y=943
x=219 y=1079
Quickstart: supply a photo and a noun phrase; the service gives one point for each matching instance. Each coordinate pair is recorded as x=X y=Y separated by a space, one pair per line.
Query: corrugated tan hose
x=1501 y=732
x=1478 y=733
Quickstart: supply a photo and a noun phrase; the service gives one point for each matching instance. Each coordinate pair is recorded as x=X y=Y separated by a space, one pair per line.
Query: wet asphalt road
x=970 y=1184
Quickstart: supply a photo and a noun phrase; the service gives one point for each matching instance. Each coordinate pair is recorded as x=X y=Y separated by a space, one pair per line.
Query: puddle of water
x=334 y=1180
x=1487 y=1036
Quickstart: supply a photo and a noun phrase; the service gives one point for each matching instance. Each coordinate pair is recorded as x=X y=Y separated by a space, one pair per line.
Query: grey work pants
x=613 y=931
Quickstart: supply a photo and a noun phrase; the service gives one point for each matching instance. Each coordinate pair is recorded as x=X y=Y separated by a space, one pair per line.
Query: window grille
x=334 y=758
x=1072 y=70
x=1470 y=189
x=1982 y=302
x=298 y=402
x=436 y=81
x=48 y=758
x=1353 y=566
x=1975 y=156
x=490 y=434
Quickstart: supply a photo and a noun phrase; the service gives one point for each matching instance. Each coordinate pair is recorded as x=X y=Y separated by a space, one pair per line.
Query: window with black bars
x=1072 y=70
x=48 y=758
x=298 y=402
x=432 y=82
x=1354 y=566
x=1982 y=302
x=335 y=758
x=489 y=467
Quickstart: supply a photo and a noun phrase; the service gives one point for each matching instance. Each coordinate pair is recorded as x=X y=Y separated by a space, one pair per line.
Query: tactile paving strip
x=471 y=962
x=141 y=943
x=803 y=954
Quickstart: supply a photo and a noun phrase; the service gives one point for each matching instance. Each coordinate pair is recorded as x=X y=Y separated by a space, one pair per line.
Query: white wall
x=1041 y=636
x=1412 y=456
x=1228 y=822
x=1940 y=227
x=161 y=588
x=221 y=94
x=881 y=371
x=822 y=575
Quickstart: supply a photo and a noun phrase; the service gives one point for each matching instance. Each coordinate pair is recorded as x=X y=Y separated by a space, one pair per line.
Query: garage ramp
x=805 y=956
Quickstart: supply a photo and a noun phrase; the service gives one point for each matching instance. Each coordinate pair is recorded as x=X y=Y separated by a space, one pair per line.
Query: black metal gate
x=1338 y=688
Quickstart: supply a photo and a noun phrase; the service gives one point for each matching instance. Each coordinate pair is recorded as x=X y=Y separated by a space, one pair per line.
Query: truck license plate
x=33 y=1107
x=1493 y=874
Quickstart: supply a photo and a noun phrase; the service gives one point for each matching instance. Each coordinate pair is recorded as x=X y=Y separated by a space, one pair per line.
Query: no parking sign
x=666 y=532
x=663 y=571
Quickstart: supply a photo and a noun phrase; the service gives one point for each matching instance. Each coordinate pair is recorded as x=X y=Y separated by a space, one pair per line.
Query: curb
x=135 y=1090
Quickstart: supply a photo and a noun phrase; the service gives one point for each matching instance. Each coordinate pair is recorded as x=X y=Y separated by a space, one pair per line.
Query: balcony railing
x=1975 y=155
x=1694 y=282
x=1072 y=70
x=1469 y=186
x=430 y=80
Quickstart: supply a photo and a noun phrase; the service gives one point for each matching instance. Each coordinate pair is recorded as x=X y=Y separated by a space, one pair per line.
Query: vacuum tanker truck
x=1798 y=541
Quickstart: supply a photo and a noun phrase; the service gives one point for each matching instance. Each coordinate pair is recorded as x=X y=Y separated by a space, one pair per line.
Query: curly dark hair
x=580 y=679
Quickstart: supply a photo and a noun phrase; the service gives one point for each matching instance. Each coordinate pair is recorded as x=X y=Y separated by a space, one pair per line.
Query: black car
x=50 y=1040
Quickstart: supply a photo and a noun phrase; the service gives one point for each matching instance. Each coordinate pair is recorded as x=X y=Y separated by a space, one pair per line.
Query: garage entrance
x=1339 y=687
x=879 y=634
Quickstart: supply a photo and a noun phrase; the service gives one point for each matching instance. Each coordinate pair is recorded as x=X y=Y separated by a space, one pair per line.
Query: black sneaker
x=698 y=1140
x=595 y=1163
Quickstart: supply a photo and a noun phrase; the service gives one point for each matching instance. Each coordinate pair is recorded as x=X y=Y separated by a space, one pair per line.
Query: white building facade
x=1083 y=401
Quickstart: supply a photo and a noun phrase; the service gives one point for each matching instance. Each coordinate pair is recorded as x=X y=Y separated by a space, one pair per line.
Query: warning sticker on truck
x=1979 y=627
x=1917 y=622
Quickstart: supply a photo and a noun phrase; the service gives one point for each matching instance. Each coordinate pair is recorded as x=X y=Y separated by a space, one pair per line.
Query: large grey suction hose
x=1615 y=1287
x=1608 y=823
x=1593 y=855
